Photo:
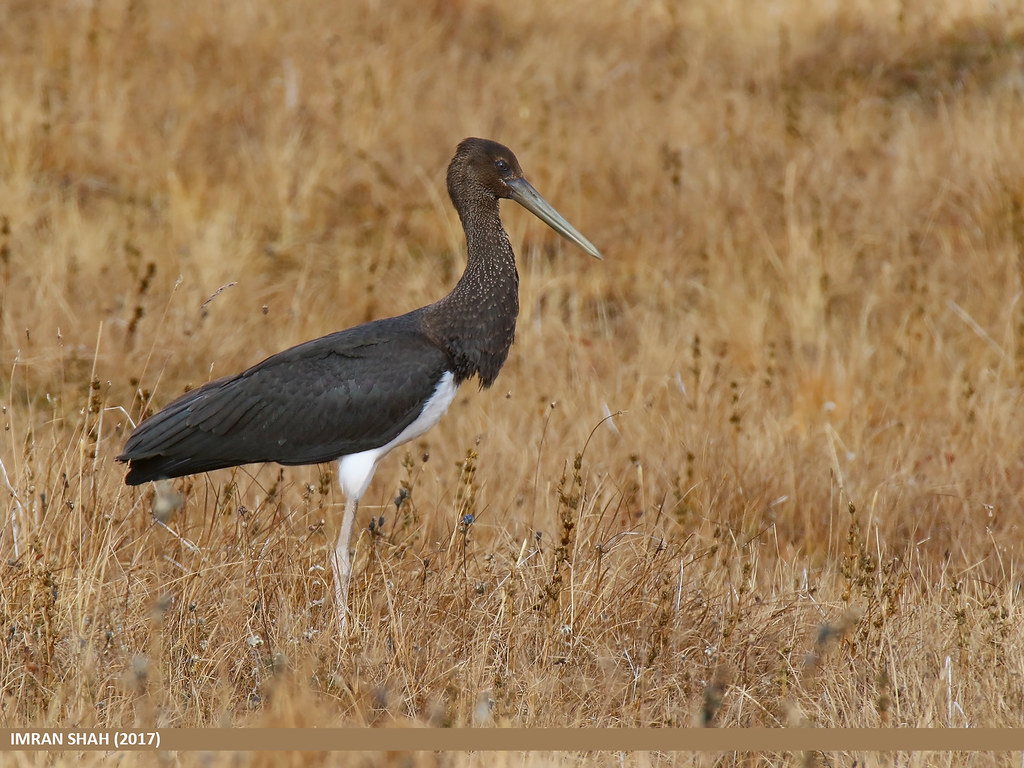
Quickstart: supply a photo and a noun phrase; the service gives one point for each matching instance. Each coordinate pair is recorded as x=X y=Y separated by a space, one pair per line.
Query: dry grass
x=810 y=508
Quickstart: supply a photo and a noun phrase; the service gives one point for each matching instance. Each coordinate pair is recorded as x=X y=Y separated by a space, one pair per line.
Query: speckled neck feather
x=476 y=322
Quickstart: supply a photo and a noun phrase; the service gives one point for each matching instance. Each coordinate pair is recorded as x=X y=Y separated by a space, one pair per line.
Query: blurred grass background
x=807 y=508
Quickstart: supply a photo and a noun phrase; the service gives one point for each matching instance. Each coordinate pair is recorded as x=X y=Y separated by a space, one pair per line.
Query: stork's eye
x=501 y=165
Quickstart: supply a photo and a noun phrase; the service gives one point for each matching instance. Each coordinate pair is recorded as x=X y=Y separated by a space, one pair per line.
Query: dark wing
x=340 y=394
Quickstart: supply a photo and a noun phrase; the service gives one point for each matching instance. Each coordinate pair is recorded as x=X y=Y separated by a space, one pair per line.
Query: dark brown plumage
x=355 y=394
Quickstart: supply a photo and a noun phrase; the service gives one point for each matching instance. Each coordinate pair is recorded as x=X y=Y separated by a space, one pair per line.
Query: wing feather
x=344 y=393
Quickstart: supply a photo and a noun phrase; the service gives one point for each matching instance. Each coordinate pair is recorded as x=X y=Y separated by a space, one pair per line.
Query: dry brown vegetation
x=809 y=510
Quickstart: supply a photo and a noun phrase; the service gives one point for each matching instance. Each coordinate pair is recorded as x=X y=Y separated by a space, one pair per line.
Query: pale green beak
x=528 y=197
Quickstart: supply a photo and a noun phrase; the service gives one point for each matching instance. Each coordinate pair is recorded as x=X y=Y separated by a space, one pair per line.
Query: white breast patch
x=356 y=470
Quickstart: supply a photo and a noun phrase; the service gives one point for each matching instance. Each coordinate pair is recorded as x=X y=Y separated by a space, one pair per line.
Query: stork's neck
x=476 y=322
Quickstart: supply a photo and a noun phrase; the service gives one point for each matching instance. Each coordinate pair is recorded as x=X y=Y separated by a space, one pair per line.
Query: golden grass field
x=808 y=510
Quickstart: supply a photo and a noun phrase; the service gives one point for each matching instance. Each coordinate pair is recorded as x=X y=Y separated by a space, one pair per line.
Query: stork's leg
x=341 y=562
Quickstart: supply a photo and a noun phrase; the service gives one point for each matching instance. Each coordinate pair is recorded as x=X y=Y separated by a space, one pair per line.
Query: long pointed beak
x=528 y=197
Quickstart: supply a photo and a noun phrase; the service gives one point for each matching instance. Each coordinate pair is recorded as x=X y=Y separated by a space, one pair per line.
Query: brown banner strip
x=521 y=739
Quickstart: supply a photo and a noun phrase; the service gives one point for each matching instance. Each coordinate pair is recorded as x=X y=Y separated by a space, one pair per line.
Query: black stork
x=356 y=394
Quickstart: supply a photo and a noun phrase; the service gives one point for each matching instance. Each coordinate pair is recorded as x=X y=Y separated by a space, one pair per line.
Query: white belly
x=356 y=470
